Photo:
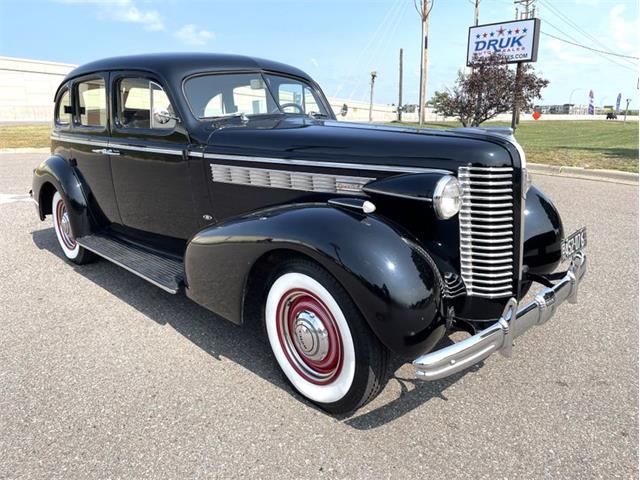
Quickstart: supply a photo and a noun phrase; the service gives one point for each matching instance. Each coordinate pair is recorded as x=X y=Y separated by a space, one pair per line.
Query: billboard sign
x=516 y=40
x=618 y=100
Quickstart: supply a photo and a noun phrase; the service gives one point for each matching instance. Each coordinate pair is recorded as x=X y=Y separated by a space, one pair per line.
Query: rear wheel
x=62 y=225
x=320 y=340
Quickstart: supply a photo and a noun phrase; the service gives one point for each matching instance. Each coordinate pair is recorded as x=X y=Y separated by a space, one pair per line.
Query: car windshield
x=219 y=95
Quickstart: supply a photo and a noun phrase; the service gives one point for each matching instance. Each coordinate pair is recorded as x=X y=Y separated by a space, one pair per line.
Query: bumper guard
x=499 y=336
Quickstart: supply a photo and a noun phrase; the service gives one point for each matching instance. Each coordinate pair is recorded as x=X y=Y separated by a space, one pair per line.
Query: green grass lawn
x=581 y=143
x=25 y=135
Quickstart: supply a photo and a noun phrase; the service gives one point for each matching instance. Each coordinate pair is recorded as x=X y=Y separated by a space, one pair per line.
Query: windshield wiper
x=219 y=119
x=227 y=116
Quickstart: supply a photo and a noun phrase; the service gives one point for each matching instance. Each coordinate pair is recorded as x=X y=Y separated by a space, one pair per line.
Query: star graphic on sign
x=524 y=30
x=491 y=34
x=517 y=30
x=509 y=31
x=478 y=36
x=484 y=35
x=501 y=31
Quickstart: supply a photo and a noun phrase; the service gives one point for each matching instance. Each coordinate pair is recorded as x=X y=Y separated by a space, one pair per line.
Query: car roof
x=173 y=65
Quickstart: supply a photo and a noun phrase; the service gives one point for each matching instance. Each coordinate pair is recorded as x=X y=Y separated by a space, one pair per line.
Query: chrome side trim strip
x=80 y=141
x=290 y=180
x=163 y=151
x=98 y=143
x=313 y=163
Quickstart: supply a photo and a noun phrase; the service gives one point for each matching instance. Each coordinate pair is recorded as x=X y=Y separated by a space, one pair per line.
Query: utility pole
x=423 y=7
x=529 y=12
x=476 y=14
x=626 y=110
x=400 y=90
x=373 y=81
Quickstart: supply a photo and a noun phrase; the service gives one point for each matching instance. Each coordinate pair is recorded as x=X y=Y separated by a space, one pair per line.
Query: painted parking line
x=9 y=198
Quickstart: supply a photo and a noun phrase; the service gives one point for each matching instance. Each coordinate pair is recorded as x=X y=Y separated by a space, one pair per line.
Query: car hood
x=299 y=137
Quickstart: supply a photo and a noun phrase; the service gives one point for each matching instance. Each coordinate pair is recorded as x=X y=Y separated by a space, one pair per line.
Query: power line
x=553 y=10
x=589 y=48
x=597 y=53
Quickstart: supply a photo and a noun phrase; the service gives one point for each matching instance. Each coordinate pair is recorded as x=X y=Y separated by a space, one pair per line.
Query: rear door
x=151 y=174
x=88 y=141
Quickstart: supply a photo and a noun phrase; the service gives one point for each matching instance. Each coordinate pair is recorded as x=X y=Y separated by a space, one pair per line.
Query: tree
x=488 y=91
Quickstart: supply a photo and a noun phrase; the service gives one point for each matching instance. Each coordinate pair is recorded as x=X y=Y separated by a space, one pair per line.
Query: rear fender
x=391 y=279
x=59 y=173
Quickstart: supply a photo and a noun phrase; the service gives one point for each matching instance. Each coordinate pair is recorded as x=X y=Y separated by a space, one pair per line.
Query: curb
x=26 y=150
x=612 y=176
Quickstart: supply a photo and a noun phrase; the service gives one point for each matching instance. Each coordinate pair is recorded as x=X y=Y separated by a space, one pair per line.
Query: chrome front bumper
x=499 y=336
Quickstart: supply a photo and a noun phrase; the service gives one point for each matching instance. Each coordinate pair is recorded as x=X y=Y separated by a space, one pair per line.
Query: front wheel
x=62 y=225
x=320 y=340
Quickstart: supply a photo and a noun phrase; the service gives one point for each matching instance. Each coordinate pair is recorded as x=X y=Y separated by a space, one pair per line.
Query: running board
x=164 y=272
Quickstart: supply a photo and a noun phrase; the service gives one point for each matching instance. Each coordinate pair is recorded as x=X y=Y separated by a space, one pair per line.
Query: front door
x=150 y=171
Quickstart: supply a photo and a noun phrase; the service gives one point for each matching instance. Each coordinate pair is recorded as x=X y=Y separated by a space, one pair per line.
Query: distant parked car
x=229 y=177
x=612 y=116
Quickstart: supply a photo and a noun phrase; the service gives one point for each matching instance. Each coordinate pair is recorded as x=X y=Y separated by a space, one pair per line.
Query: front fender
x=543 y=234
x=391 y=279
x=58 y=172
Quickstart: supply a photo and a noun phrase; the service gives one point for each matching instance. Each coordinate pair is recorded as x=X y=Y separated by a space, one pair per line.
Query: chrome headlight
x=446 y=197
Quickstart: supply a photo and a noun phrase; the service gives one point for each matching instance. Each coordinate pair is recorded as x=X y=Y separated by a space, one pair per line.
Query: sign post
x=517 y=41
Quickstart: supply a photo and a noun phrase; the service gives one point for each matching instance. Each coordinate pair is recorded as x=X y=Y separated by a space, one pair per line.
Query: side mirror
x=344 y=110
x=163 y=116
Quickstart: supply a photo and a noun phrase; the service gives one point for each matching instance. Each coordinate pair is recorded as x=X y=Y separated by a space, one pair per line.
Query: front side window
x=92 y=103
x=143 y=103
x=253 y=94
x=63 y=109
x=295 y=96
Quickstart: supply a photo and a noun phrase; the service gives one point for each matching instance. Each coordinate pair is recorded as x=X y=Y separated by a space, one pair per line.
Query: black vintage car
x=229 y=177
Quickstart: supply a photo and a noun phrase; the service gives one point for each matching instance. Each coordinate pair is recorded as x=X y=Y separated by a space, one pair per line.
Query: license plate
x=574 y=243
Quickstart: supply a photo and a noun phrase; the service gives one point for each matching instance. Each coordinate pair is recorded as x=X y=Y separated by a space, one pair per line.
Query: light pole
x=424 y=9
x=373 y=81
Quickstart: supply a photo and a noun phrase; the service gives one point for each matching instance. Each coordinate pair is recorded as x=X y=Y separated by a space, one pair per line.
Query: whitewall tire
x=62 y=226
x=320 y=340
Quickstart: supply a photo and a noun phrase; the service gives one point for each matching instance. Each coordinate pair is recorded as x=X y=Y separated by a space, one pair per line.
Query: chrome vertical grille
x=487 y=230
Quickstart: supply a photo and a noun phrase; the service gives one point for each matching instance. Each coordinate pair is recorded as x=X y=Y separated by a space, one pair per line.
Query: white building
x=27 y=88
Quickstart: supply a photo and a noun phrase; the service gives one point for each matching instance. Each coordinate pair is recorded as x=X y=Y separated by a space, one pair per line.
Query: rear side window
x=92 y=103
x=63 y=109
x=143 y=104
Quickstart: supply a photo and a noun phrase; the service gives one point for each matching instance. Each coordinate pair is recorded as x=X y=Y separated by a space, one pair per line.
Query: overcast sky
x=338 y=42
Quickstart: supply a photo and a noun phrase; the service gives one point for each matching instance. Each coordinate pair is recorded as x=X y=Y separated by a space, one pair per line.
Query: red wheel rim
x=63 y=226
x=309 y=336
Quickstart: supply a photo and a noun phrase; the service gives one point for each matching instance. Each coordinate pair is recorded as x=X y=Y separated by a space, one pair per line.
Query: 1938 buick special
x=229 y=177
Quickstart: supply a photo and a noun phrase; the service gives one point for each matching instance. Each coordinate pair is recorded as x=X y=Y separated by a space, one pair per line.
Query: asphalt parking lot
x=102 y=375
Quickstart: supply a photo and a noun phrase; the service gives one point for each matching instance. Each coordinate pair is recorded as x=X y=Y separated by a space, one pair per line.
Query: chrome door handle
x=105 y=151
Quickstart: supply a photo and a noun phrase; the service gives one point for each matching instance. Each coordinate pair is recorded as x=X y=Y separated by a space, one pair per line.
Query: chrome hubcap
x=64 y=225
x=310 y=336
